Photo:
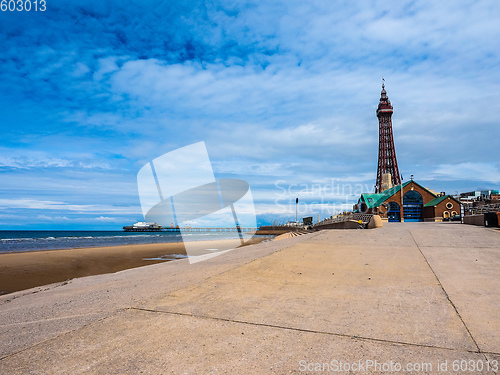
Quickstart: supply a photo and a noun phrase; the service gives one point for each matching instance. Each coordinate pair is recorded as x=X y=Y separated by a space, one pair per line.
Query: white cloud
x=106 y=65
x=52 y=218
x=486 y=172
x=39 y=204
x=106 y=219
x=41 y=161
x=35 y=204
x=24 y=162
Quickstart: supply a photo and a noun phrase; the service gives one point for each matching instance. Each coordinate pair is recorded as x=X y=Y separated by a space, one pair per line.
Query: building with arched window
x=410 y=202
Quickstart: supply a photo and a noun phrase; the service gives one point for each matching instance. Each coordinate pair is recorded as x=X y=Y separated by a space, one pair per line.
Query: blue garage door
x=412 y=206
x=393 y=212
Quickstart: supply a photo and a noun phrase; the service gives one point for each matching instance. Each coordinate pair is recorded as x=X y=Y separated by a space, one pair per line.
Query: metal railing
x=494 y=207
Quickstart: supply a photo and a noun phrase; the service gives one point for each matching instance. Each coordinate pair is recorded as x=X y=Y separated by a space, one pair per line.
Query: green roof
x=437 y=200
x=376 y=199
x=371 y=200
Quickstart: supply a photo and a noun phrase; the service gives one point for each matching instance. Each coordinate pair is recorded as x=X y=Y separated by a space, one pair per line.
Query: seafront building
x=410 y=202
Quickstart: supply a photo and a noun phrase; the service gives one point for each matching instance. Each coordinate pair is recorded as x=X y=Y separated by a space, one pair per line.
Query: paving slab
x=385 y=293
x=454 y=235
x=471 y=278
x=466 y=261
x=38 y=314
x=135 y=341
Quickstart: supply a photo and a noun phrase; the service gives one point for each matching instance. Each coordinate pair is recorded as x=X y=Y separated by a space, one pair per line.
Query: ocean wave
x=52 y=240
x=18 y=239
x=84 y=237
x=168 y=257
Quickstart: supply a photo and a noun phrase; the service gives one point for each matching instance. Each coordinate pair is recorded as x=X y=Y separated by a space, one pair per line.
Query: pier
x=191 y=229
x=203 y=229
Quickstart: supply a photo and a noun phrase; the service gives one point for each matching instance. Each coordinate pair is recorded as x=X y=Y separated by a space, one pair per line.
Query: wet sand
x=24 y=270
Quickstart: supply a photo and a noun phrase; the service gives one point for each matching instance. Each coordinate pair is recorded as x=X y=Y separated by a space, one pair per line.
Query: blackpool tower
x=387 y=170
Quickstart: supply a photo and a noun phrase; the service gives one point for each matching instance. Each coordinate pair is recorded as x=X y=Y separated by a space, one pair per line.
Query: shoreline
x=28 y=269
x=35 y=244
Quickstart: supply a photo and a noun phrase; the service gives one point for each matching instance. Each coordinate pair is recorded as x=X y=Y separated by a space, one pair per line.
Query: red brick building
x=414 y=203
x=440 y=208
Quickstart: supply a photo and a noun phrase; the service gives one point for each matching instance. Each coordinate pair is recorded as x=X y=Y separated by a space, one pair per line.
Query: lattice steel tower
x=387 y=163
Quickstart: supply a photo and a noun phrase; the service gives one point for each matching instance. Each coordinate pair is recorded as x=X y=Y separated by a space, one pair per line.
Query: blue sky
x=283 y=93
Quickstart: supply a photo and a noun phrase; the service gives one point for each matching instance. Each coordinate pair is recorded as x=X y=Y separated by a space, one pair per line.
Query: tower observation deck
x=387 y=170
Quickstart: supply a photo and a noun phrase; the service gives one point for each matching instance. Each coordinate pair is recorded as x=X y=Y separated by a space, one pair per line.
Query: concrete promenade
x=417 y=294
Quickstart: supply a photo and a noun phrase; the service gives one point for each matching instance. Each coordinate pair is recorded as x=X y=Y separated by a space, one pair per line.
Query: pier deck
x=192 y=229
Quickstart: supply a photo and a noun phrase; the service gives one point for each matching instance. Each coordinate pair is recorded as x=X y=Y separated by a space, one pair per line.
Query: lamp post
x=296 y=204
x=401 y=211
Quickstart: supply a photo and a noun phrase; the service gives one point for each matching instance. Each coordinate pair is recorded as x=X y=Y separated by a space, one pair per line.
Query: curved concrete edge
x=375 y=222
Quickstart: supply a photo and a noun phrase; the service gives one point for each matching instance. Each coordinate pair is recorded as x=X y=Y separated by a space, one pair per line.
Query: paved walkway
x=423 y=295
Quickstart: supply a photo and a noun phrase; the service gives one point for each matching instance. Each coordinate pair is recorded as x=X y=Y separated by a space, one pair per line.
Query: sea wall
x=349 y=224
x=274 y=230
x=474 y=220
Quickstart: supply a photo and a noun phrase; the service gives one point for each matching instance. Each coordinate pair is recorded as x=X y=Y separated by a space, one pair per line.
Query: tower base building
x=410 y=202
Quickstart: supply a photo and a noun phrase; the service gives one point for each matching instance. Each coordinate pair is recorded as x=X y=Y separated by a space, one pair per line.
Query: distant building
x=479 y=202
x=482 y=195
x=441 y=207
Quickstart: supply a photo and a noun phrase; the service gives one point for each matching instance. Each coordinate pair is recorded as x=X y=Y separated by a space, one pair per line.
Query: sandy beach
x=24 y=270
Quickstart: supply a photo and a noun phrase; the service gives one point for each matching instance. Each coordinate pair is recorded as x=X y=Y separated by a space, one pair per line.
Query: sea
x=37 y=240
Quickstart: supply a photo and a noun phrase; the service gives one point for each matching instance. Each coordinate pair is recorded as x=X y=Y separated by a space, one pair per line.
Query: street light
x=296 y=204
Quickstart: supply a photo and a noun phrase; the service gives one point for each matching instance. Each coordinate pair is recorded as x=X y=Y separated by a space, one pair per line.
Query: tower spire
x=387 y=170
